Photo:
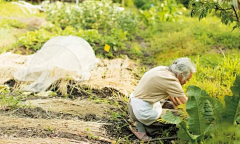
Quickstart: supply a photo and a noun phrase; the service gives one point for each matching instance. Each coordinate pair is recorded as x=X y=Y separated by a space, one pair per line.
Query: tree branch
x=235 y=13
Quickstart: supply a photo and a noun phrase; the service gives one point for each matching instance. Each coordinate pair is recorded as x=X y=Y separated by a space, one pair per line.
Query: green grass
x=216 y=73
x=190 y=37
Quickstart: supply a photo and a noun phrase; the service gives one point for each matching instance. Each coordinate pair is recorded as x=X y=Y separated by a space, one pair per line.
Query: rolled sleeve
x=174 y=89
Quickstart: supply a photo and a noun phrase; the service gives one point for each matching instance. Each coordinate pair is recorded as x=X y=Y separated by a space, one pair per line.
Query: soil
x=84 y=105
x=76 y=108
x=40 y=109
x=64 y=109
x=32 y=132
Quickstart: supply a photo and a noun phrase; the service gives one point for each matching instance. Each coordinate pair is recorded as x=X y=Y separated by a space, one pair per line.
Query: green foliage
x=171 y=118
x=92 y=15
x=7 y=100
x=189 y=37
x=227 y=9
x=116 y=38
x=34 y=39
x=143 y=4
x=196 y=110
x=184 y=2
x=165 y=11
x=216 y=73
x=207 y=115
x=232 y=110
x=8 y=23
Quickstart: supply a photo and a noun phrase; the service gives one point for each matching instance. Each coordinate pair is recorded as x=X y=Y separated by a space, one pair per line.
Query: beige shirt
x=158 y=83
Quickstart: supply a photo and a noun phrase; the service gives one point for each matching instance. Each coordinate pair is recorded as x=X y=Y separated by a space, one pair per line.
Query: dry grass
x=6 y=140
x=9 y=64
x=58 y=125
x=116 y=73
x=76 y=107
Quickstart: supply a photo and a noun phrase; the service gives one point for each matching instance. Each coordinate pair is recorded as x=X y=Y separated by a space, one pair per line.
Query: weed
x=91 y=136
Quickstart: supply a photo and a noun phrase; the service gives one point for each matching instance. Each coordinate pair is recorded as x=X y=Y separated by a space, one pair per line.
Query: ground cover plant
x=150 y=33
x=208 y=119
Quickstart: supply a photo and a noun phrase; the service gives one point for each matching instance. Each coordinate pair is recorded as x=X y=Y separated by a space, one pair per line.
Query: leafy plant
x=35 y=39
x=228 y=10
x=207 y=114
x=116 y=39
x=165 y=11
x=91 y=15
x=143 y=4
x=8 y=23
x=7 y=100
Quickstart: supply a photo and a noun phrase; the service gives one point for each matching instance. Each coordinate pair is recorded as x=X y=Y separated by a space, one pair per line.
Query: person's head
x=183 y=68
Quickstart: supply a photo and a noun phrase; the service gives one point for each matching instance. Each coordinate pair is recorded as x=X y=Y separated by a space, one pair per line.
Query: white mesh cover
x=60 y=57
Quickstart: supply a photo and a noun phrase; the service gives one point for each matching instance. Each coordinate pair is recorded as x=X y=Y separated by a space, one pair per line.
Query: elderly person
x=156 y=85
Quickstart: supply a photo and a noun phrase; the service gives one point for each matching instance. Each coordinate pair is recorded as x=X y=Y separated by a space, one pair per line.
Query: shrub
x=165 y=11
x=34 y=40
x=144 y=4
x=115 y=38
x=92 y=15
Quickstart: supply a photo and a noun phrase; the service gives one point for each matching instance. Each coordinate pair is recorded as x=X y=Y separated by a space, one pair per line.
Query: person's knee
x=168 y=105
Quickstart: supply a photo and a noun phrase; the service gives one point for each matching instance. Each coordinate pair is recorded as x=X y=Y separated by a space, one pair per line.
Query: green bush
x=165 y=11
x=115 y=38
x=34 y=40
x=143 y=4
x=92 y=15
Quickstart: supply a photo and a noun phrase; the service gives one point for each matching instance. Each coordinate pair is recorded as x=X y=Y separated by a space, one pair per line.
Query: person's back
x=158 y=83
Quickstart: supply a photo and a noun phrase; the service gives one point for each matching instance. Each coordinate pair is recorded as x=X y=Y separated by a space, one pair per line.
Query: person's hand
x=178 y=100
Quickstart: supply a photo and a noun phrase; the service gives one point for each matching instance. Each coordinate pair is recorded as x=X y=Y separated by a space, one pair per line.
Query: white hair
x=183 y=66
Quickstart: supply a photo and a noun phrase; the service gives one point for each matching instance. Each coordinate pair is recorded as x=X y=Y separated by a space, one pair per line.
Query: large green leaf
x=170 y=118
x=213 y=110
x=183 y=132
x=232 y=109
x=197 y=99
x=209 y=111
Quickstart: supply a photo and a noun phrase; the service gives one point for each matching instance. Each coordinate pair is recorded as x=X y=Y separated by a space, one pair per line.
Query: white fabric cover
x=60 y=57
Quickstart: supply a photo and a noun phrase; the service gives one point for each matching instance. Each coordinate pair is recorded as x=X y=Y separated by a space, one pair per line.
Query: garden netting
x=61 y=57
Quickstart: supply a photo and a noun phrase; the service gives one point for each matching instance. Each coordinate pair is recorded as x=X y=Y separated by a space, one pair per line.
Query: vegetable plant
x=208 y=116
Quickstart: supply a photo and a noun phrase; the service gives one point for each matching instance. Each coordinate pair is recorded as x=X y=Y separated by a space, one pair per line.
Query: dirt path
x=61 y=120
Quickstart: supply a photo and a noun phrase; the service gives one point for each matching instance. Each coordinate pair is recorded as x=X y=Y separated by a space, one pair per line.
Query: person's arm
x=178 y=100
